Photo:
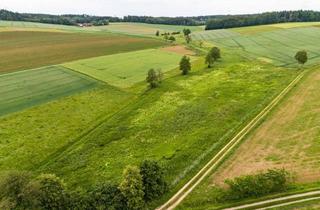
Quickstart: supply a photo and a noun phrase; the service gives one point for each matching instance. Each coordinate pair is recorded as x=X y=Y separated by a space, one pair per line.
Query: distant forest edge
x=211 y=22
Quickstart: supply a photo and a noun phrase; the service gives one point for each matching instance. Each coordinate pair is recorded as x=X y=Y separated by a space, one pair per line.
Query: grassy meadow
x=30 y=137
x=181 y=124
x=88 y=137
x=24 y=89
x=23 y=50
x=126 y=69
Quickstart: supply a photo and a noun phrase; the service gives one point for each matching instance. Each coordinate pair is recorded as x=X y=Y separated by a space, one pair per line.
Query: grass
x=287 y=139
x=30 y=137
x=126 y=69
x=30 y=49
x=180 y=124
x=28 y=88
x=276 y=46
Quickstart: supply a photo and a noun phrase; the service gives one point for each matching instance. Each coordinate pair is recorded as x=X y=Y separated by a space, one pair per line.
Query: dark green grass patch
x=22 y=50
x=28 y=88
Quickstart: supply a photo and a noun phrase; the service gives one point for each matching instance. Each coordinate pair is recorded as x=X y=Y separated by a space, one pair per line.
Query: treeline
x=262 y=19
x=139 y=186
x=211 y=22
x=57 y=19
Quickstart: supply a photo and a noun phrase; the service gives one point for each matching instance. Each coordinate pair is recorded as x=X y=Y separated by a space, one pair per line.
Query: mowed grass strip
x=28 y=88
x=126 y=69
x=22 y=50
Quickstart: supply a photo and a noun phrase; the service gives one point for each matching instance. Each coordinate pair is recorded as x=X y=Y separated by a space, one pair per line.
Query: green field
x=126 y=69
x=145 y=29
x=22 y=50
x=180 y=124
x=28 y=88
x=31 y=137
x=141 y=29
x=275 y=46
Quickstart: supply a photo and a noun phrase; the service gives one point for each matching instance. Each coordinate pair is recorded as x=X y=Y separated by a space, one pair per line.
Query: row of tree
x=155 y=77
x=139 y=185
x=233 y=21
x=57 y=19
x=211 y=22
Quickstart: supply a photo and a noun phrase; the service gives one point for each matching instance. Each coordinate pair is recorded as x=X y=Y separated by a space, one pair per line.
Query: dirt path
x=284 y=201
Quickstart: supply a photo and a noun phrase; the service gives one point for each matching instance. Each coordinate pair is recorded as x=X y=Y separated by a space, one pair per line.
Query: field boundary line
x=177 y=198
x=280 y=201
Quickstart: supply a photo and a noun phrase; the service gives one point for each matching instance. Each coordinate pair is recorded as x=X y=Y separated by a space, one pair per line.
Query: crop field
x=277 y=46
x=126 y=69
x=288 y=139
x=27 y=49
x=145 y=29
x=31 y=137
x=27 y=88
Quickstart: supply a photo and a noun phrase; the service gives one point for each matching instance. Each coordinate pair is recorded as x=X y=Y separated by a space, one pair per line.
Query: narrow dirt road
x=285 y=201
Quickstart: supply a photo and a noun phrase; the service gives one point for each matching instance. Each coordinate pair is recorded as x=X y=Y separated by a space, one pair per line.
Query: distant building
x=85 y=24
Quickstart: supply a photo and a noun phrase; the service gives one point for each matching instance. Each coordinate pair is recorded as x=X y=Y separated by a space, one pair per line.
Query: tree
x=188 y=39
x=213 y=55
x=153 y=180
x=172 y=39
x=12 y=187
x=186 y=32
x=154 y=78
x=215 y=52
x=209 y=60
x=47 y=192
x=301 y=57
x=132 y=188
x=106 y=196
x=185 y=65
x=166 y=36
x=158 y=33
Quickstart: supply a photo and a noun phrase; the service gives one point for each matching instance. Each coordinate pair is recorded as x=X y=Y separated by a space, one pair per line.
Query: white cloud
x=157 y=7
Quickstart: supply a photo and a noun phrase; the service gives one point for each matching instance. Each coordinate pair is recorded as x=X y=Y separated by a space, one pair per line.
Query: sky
x=156 y=7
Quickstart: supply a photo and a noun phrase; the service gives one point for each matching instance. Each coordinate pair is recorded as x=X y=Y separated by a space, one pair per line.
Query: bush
x=47 y=192
x=257 y=185
x=153 y=180
x=132 y=188
x=107 y=196
x=12 y=186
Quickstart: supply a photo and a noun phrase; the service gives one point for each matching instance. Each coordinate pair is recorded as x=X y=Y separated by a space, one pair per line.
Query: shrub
x=132 y=188
x=257 y=185
x=47 y=192
x=12 y=186
x=153 y=180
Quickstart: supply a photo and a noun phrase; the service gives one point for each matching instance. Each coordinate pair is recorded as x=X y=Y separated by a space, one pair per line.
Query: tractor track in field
x=280 y=201
x=179 y=196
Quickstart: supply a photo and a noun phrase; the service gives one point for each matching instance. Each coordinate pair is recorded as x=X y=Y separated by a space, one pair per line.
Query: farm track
x=176 y=199
x=281 y=201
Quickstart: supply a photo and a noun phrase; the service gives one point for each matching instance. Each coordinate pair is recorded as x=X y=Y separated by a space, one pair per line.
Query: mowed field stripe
x=224 y=152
